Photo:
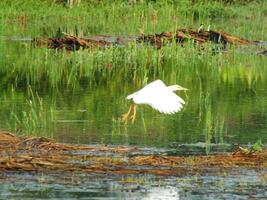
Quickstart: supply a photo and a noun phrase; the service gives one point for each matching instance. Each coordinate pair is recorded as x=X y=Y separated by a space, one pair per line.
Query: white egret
x=200 y=28
x=158 y=96
x=208 y=29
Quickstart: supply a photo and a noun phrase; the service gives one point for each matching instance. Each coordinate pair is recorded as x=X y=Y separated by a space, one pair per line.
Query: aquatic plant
x=257 y=146
x=31 y=118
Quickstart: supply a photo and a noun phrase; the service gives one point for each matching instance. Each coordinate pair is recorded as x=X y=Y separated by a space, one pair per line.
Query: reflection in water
x=226 y=107
x=82 y=94
x=160 y=193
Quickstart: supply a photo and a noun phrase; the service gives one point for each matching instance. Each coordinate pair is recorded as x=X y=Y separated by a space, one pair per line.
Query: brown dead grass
x=42 y=154
x=184 y=35
x=70 y=42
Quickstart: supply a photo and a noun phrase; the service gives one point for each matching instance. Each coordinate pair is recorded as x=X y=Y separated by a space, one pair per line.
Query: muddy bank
x=42 y=154
x=181 y=36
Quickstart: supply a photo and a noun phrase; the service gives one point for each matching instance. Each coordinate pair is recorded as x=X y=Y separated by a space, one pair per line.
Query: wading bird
x=158 y=96
x=200 y=28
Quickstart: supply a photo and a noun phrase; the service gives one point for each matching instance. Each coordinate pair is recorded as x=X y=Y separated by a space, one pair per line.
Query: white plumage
x=158 y=96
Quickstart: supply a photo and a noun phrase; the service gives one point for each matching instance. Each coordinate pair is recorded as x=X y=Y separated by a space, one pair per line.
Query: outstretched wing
x=159 y=97
x=166 y=102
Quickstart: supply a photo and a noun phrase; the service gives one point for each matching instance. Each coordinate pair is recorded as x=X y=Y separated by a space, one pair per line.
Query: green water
x=78 y=97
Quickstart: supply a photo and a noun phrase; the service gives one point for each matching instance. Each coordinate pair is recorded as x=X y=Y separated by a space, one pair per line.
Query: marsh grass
x=118 y=17
x=115 y=70
x=32 y=118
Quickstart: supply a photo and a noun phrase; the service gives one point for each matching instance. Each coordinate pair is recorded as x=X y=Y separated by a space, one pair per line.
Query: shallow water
x=236 y=184
x=92 y=116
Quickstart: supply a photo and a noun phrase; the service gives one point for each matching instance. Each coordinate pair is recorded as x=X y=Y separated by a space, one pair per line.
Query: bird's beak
x=182 y=88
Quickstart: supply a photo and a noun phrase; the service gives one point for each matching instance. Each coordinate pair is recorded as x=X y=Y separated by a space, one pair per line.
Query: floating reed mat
x=42 y=154
x=199 y=37
x=70 y=42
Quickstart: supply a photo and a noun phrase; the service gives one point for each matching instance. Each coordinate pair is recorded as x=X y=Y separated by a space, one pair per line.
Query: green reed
x=119 y=17
x=26 y=116
x=134 y=66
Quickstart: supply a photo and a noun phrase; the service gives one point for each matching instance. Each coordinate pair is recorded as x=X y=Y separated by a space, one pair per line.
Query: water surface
x=239 y=184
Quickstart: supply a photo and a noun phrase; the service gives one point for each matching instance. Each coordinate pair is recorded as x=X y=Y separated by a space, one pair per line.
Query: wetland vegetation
x=78 y=96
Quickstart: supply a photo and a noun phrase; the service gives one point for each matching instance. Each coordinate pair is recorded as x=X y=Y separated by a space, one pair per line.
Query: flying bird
x=158 y=96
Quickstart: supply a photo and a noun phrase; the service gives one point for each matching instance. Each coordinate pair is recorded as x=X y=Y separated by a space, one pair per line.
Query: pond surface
x=235 y=184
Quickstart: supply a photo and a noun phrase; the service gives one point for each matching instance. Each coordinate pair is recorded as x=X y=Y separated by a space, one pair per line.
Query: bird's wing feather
x=151 y=87
x=166 y=102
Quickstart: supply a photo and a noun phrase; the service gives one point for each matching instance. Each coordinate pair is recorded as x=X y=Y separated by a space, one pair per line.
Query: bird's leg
x=125 y=116
x=134 y=113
